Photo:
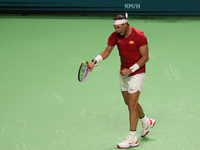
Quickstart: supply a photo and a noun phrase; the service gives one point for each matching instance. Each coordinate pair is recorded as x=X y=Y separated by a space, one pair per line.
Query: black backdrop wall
x=133 y=7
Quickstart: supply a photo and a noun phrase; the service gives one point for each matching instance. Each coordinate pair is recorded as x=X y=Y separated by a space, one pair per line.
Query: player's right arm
x=104 y=54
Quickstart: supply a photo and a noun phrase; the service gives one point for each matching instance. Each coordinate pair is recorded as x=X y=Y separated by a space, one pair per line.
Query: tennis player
x=133 y=51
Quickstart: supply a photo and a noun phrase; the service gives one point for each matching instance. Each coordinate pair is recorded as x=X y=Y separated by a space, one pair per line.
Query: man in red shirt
x=133 y=51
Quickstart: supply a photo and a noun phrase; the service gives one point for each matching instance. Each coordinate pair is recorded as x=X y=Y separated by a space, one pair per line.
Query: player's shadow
x=145 y=140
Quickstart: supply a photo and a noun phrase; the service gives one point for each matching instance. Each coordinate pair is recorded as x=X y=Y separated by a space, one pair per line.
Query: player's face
x=120 y=29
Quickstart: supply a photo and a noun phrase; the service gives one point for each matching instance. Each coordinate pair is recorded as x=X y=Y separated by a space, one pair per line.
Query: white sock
x=144 y=120
x=132 y=133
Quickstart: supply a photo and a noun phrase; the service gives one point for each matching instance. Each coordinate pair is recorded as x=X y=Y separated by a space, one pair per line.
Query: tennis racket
x=83 y=71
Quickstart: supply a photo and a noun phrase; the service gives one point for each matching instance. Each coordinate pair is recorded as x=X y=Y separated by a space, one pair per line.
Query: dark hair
x=119 y=17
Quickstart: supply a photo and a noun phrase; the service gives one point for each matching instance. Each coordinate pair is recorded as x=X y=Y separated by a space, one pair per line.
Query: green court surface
x=44 y=107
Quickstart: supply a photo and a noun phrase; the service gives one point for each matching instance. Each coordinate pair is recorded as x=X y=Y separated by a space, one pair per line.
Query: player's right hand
x=91 y=65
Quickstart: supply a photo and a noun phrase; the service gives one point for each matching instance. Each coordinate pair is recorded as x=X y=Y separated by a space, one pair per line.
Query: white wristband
x=134 y=67
x=99 y=58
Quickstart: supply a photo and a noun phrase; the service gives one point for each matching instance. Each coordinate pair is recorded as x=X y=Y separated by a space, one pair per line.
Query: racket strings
x=83 y=71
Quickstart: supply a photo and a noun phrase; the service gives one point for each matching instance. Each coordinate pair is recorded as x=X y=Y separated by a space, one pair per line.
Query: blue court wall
x=133 y=7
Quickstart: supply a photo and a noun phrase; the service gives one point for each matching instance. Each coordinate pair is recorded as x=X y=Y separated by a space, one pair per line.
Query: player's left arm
x=144 y=52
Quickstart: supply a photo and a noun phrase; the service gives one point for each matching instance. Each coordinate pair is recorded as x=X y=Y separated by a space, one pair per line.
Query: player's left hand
x=126 y=72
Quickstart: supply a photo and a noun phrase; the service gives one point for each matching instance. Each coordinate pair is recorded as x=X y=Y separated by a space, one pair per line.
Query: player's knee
x=132 y=108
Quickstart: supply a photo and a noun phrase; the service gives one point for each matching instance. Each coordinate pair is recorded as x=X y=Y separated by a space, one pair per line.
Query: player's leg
x=125 y=95
x=140 y=111
x=132 y=107
x=131 y=100
x=146 y=123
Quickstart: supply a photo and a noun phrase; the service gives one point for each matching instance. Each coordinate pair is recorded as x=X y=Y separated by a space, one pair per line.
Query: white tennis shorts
x=132 y=84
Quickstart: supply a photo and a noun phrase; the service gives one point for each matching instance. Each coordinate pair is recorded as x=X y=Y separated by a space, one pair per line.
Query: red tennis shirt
x=129 y=48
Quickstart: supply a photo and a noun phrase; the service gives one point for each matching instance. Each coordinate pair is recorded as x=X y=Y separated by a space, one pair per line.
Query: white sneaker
x=128 y=142
x=147 y=126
